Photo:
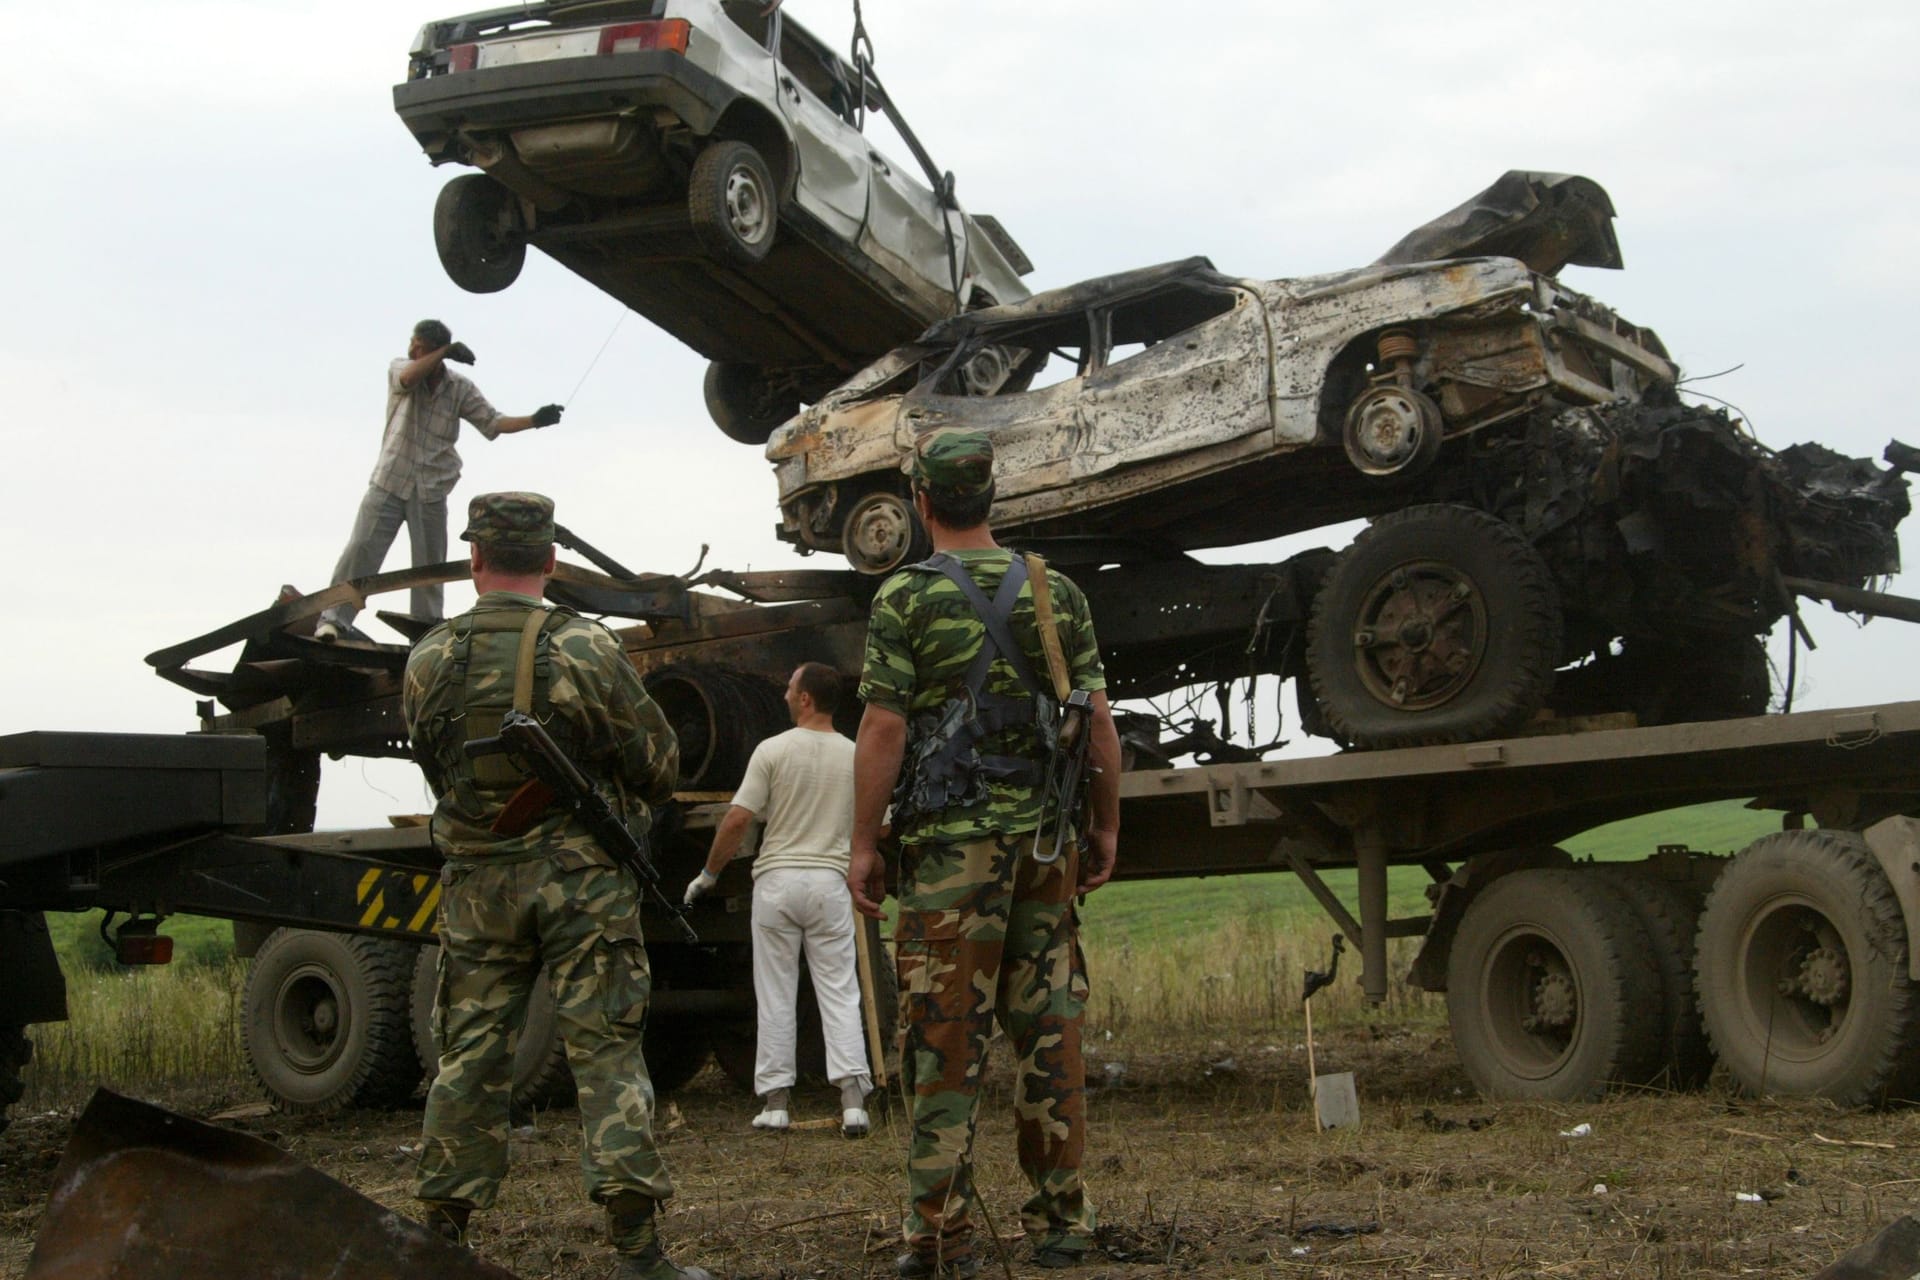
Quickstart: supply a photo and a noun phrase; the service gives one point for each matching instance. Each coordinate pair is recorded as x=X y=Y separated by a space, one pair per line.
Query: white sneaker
x=853 y=1122
x=770 y=1119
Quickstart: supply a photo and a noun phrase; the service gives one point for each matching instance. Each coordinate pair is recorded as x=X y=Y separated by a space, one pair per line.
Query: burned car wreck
x=1185 y=408
x=1554 y=531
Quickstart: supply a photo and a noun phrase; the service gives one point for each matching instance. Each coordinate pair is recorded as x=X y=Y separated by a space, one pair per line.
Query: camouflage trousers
x=499 y=924
x=987 y=933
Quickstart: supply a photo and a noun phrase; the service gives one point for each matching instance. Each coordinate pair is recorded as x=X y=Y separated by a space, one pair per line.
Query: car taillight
x=642 y=37
x=462 y=57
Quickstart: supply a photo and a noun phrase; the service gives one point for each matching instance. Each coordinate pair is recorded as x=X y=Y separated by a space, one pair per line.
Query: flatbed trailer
x=1793 y=960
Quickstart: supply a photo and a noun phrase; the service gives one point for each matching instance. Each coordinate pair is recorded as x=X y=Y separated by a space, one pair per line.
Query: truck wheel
x=476 y=229
x=734 y=205
x=541 y=1077
x=1803 y=972
x=1439 y=624
x=325 y=1021
x=676 y=1050
x=1548 y=984
x=16 y=1051
x=747 y=402
x=1668 y=914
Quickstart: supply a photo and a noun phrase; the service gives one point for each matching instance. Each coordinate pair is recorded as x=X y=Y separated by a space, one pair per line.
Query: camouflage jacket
x=594 y=704
x=922 y=635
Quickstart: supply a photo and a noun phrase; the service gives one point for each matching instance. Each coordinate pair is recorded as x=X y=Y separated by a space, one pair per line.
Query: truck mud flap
x=142 y=1192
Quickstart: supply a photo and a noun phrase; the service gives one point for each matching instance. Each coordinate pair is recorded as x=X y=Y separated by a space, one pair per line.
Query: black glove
x=546 y=415
x=460 y=353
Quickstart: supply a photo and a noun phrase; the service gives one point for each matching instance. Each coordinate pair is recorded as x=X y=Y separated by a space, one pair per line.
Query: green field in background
x=1146 y=911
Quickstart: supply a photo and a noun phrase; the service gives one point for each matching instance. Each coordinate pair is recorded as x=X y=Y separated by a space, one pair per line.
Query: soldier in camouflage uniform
x=986 y=930
x=546 y=896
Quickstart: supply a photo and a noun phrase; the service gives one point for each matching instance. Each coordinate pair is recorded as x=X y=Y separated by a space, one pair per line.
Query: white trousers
x=794 y=909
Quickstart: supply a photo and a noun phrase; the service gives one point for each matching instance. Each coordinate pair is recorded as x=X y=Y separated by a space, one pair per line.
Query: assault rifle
x=1064 y=785
x=556 y=778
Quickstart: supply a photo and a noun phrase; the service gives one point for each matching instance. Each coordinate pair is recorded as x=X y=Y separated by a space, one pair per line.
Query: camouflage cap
x=515 y=519
x=954 y=462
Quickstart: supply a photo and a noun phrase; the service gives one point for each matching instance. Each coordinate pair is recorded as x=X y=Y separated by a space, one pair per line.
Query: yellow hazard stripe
x=427 y=905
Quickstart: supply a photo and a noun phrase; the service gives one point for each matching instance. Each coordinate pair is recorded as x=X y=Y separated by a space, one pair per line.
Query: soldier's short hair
x=514 y=557
x=959 y=511
x=821 y=683
x=432 y=332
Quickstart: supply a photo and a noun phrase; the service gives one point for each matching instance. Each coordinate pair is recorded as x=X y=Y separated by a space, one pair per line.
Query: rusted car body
x=1200 y=409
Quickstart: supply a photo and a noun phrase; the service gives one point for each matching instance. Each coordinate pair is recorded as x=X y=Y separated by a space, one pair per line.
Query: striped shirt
x=417 y=457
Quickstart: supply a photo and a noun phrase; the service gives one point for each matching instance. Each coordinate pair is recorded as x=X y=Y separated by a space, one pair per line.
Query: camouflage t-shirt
x=614 y=731
x=921 y=637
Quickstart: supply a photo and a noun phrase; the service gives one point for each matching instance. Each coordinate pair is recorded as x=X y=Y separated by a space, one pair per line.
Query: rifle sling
x=1049 y=633
x=523 y=661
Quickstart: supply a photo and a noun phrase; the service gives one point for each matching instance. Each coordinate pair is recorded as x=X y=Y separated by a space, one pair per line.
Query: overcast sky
x=217 y=235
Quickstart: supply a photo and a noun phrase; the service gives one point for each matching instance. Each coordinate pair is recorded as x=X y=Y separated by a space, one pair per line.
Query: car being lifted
x=703 y=161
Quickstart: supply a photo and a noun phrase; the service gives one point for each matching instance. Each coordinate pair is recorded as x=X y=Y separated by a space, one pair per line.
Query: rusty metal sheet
x=145 y=1194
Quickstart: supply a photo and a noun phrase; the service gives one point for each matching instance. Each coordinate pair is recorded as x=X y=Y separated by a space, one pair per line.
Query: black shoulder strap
x=995 y=615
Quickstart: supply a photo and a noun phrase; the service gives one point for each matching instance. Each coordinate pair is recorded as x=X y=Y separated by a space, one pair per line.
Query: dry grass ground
x=1203 y=1161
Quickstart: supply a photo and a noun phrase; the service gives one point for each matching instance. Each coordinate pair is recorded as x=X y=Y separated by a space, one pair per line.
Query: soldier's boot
x=448 y=1221
x=630 y=1224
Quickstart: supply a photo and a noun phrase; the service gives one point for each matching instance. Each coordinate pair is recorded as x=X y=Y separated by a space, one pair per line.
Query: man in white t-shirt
x=801 y=784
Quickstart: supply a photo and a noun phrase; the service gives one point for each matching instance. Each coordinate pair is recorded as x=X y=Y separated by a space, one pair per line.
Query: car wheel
x=747 y=402
x=326 y=1022
x=1548 y=985
x=1802 y=963
x=1392 y=431
x=882 y=533
x=733 y=202
x=1439 y=624
x=476 y=228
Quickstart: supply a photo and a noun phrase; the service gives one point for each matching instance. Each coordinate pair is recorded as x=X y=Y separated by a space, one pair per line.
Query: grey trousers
x=374 y=526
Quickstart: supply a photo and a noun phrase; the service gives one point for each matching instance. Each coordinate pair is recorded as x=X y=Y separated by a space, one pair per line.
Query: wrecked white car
x=1178 y=407
x=1552 y=529
x=705 y=163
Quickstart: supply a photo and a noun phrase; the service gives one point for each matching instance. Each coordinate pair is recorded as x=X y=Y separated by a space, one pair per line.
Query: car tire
x=1802 y=963
x=1439 y=624
x=1548 y=983
x=541 y=1077
x=476 y=229
x=746 y=402
x=883 y=532
x=733 y=203
x=326 y=1023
